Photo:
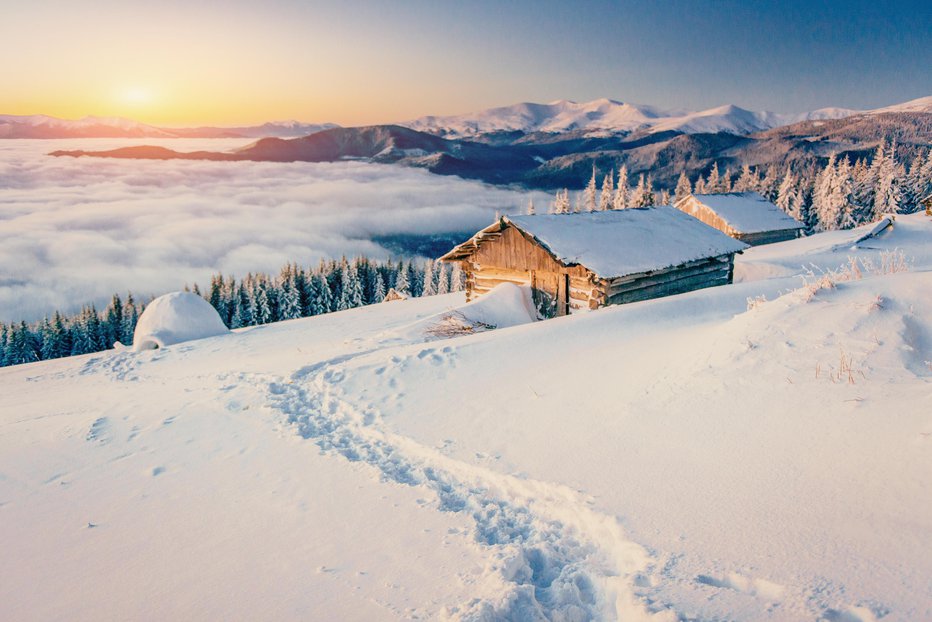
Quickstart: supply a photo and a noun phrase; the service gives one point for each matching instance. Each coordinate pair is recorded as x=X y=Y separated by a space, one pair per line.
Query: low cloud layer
x=74 y=231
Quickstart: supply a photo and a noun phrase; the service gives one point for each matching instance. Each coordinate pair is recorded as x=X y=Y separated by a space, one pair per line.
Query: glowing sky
x=233 y=62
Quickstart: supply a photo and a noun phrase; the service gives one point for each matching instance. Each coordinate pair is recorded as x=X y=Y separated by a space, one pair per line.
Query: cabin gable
x=512 y=256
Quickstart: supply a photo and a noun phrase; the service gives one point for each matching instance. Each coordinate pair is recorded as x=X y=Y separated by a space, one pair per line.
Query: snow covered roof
x=748 y=212
x=617 y=243
x=176 y=317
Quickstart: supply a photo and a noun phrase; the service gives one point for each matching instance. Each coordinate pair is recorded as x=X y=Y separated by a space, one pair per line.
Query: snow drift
x=176 y=317
x=505 y=306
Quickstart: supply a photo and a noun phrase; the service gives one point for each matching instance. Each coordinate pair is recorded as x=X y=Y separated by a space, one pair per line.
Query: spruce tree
x=245 y=314
x=429 y=276
x=608 y=192
x=113 y=325
x=4 y=342
x=589 y=194
x=457 y=278
x=380 y=292
x=62 y=336
x=683 y=188
x=443 y=280
x=713 y=183
x=747 y=181
x=620 y=200
x=401 y=282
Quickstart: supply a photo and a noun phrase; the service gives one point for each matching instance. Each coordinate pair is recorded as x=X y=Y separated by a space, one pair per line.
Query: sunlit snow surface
x=683 y=458
x=77 y=230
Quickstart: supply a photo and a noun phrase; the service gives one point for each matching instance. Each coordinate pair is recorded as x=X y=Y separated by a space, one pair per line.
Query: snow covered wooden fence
x=579 y=262
x=745 y=216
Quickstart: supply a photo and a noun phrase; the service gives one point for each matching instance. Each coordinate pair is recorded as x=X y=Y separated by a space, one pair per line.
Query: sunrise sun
x=135 y=95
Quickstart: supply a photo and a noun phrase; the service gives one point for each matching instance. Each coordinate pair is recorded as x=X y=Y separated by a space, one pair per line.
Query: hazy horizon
x=261 y=121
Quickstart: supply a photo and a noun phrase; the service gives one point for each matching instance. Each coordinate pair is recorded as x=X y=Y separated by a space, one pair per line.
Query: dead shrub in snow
x=814 y=283
x=756 y=301
x=846 y=371
x=891 y=262
x=455 y=324
x=876 y=304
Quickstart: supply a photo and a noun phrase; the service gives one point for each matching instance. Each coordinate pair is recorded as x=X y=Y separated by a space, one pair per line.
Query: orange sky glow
x=217 y=65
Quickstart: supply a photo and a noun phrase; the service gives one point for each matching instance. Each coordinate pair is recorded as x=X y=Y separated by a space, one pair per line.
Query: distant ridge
x=599 y=117
x=44 y=126
x=607 y=115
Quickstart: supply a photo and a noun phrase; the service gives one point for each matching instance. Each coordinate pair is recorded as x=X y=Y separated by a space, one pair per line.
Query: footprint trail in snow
x=560 y=559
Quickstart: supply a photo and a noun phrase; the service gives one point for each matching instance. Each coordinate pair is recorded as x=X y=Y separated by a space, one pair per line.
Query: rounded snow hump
x=176 y=317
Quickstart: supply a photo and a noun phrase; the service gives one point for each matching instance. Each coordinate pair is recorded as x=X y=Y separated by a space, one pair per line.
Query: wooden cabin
x=927 y=202
x=577 y=262
x=745 y=216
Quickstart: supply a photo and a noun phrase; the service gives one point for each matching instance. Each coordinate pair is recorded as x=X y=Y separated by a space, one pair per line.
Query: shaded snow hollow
x=176 y=317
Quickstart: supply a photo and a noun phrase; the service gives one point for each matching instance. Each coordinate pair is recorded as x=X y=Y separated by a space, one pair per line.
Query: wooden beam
x=668 y=288
x=666 y=276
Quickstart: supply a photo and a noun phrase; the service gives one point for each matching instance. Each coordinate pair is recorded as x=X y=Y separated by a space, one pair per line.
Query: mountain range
x=44 y=126
x=597 y=117
x=556 y=145
x=609 y=116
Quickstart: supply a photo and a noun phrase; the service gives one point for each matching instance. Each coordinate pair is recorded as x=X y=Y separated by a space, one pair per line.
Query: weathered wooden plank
x=709 y=267
x=575 y=294
x=669 y=288
x=768 y=237
x=695 y=278
x=724 y=259
x=490 y=283
x=498 y=271
x=580 y=282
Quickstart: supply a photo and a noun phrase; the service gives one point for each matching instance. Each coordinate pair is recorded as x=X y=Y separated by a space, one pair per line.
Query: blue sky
x=370 y=62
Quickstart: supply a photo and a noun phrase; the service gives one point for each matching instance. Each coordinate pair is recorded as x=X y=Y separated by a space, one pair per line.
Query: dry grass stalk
x=455 y=324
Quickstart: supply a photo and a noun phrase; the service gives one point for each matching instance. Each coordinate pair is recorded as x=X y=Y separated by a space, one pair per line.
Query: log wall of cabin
x=768 y=237
x=686 y=278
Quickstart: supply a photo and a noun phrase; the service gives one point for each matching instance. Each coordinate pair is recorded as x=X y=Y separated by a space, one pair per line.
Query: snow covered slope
x=602 y=115
x=923 y=104
x=683 y=458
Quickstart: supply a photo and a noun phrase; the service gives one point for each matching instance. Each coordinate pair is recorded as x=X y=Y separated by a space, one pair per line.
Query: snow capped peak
x=604 y=114
x=922 y=104
x=557 y=116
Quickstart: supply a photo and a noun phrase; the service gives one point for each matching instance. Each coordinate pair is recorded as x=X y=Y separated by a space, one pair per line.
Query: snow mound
x=176 y=317
x=506 y=305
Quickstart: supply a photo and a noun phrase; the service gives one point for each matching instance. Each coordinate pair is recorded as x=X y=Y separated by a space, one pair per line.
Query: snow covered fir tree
x=841 y=194
x=253 y=300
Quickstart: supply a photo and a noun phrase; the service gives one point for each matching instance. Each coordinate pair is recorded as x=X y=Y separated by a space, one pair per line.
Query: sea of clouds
x=77 y=230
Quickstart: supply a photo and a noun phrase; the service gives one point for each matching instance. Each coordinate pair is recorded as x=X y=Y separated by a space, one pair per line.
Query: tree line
x=294 y=292
x=841 y=195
